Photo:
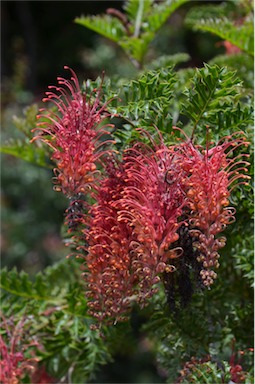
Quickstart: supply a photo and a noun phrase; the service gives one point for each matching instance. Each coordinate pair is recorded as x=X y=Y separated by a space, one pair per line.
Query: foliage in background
x=135 y=29
x=219 y=95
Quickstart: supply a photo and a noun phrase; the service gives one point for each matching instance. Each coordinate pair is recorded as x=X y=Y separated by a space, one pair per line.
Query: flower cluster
x=133 y=225
x=154 y=212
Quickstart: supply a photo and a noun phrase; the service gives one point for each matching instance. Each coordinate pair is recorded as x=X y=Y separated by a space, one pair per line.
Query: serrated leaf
x=145 y=19
x=148 y=97
x=27 y=123
x=239 y=34
x=213 y=89
x=150 y=17
x=136 y=47
x=105 y=25
x=160 y=12
x=134 y=7
x=21 y=147
x=241 y=63
x=21 y=286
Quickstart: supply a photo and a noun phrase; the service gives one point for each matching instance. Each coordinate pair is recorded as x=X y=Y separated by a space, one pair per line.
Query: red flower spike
x=15 y=363
x=74 y=135
x=151 y=202
x=109 y=279
x=133 y=226
x=210 y=174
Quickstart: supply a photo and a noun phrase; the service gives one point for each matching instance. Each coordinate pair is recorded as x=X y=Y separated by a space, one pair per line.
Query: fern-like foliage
x=213 y=99
x=241 y=63
x=56 y=302
x=199 y=330
x=160 y=12
x=238 y=32
x=243 y=252
x=105 y=25
x=134 y=30
x=189 y=98
x=20 y=284
x=146 y=101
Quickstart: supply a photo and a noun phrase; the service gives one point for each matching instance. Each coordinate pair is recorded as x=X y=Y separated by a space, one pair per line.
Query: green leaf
x=24 y=150
x=213 y=90
x=239 y=34
x=21 y=147
x=56 y=302
x=28 y=122
x=137 y=47
x=160 y=13
x=150 y=17
x=21 y=286
x=207 y=373
x=146 y=101
x=136 y=10
x=144 y=18
x=106 y=25
x=242 y=63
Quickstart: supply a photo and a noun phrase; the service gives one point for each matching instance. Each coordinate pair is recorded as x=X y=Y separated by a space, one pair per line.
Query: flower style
x=210 y=173
x=75 y=135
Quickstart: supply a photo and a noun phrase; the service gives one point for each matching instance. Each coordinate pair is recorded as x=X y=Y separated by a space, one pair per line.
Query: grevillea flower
x=17 y=358
x=109 y=278
x=210 y=173
x=74 y=134
x=151 y=203
x=133 y=225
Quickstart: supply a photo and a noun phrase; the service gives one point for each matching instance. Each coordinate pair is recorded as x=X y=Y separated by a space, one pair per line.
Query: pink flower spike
x=75 y=135
x=210 y=174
